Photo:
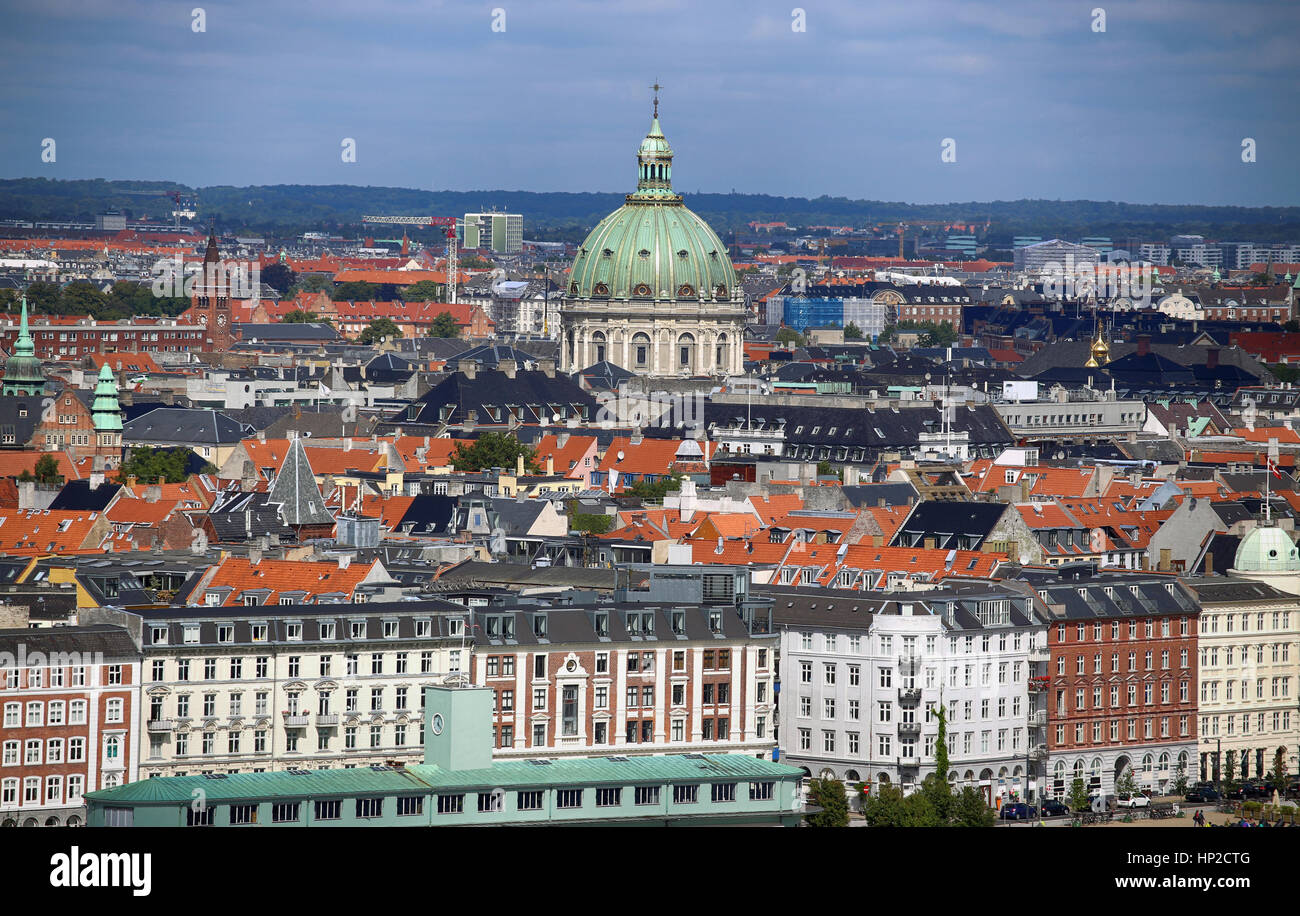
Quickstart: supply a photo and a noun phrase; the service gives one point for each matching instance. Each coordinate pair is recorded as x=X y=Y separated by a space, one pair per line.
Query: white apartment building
x=1249 y=676
x=861 y=677
x=227 y=690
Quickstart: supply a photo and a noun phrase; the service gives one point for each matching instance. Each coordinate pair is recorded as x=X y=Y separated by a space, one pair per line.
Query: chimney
x=636 y=437
x=562 y=440
x=877 y=540
x=1165 y=562
x=550 y=465
x=347 y=444
x=547 y=366
x=130 y=481
x=509 y=367
x=344 y=561
x=254 y=555
x=261 y=435
x=1144 y=344
x=519 y=465
x=467 y=367
x=929 y=543
x=1212 y=358
x=1209 y=563
x=153 y=493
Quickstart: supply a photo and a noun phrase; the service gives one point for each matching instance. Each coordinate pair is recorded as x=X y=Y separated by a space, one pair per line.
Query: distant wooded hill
x=288 y=209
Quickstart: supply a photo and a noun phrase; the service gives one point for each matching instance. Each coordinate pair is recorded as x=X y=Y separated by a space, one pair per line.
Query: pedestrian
x=1199 y=819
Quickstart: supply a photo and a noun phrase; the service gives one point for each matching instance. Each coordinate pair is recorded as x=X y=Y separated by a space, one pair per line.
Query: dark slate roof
x=490 y=388
x=389 y=369
x=109 y=641
x=428 y=514
x=296 y=491
x=604 y=375
x=1216 y=590
x=78 y=495
x=492 y=355
x=238 y=517
x=23 y=427
x=185 y=425
x=894 y=494
x=578 y=625
x=1154 y=595
x=946 y=522
x=516 y=574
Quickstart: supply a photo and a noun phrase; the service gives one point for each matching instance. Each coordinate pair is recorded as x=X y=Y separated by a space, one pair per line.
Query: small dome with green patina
x=1267 y=549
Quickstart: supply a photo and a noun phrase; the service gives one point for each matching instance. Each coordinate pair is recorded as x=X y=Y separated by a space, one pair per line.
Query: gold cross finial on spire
x=656 y=87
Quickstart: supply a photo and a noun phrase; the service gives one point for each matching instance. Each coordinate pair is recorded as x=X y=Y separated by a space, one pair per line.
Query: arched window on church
x=686 y=352
x=598 y=346
x=720 y=352
x=641 y=351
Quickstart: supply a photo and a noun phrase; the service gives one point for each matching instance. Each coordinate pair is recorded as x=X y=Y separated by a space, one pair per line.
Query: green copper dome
x=1267 y=550
x=653 y=247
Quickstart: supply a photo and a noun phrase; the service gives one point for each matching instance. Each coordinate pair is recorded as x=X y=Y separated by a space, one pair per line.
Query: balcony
x=327 y=720
x=911 y=729
x=161 y=725
x=1038 y=718
x=1038 y=752
x=1040 y=654
x=909 y=694
x=296 y=720
x=909 y=763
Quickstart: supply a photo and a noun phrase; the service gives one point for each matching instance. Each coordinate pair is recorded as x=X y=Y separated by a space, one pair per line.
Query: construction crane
x=449 y=222
x=902 y=231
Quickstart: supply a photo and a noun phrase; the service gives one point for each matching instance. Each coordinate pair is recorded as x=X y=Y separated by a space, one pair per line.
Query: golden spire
x=1100 y=350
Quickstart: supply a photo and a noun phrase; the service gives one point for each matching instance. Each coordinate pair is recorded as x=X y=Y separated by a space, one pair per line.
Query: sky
x=553 y=95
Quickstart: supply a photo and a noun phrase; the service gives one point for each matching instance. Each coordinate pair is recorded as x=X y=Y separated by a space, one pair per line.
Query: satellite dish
x=620 y=454
x=555 y=418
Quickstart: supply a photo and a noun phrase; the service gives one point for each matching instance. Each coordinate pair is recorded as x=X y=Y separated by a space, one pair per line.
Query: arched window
x=112 y=747
x=720 y=352
x=1146 y=763
x=1164 y=761
x=640 y=350
x=686 y=352
x=598 y=346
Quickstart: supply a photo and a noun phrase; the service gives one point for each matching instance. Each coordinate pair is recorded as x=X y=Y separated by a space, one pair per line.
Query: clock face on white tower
x=221 y=320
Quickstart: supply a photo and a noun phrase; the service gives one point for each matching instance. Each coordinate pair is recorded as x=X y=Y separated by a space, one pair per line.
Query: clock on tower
x=211 y=300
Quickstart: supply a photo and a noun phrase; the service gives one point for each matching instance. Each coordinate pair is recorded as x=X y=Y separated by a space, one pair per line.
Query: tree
x=826 y=469
x=444 y=326
x=1277 y=775
x=941 y=764
x=938 y=793
x=279 y=277
x=1230 y=769
x=590 y=522
x=852 y=331
x=933 y=333
x=1126 y=784
x=355 y=290
x=46 y=471
x=789 y=337
x=424 y=291
x=970 y=810
x=300 y=316
x=828 y=794
x=493 y=450
x=1180 y=780
x=314 y=284
x=1078 y=798
x=156 y=465
x=888 y=808
x=380 y=327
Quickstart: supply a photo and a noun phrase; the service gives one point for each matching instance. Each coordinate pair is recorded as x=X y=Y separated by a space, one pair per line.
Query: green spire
x=24 y=346
x=106 y=410
x=655 y=162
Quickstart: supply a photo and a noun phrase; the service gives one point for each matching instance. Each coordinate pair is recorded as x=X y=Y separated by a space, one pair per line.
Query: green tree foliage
x=444 y=325
x=852 y=331
x=828 y=794
x=45 y=472
x=590 y=522
x=356 y=291
x=124 y=300
x=1078 y=796
x=279 y=277
x=941 y=764
x=156 y=465
x=826 y=469
x=493 y=450
x=1230 y=769
x=300 y=316
x=424 y=291
x=380 y=327
x=1277 y=775
x=1180 y=780
x=970 y=810
x=933 y=333
x=888 y=808
x=1285 y=373
x=315 y=283
x=939 y=794
x=1126 y=784
x=789 y=337
x=472 y=262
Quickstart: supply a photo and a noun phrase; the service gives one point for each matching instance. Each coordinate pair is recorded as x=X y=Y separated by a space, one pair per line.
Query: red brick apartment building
x=1121 y=678
x=626 y=678
x=67 y=720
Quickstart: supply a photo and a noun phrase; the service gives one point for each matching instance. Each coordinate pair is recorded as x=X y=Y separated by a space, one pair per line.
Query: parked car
x=1054 y=808
x=1257 y=788
x=1133 y=801
x=1017 y=811
x=1236 y=793
x=1202 y=795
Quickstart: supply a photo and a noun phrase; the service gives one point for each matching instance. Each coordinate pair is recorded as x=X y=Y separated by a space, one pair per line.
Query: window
x=285 y=812
x=370 y=807
x=568 y=798
x=411 y=805
x=723 y=792
x=243 y=814
x=203 y=817
x=529 y=800
x=450 y=804
x=609 y=798
x=687 y=794
x=330 y=809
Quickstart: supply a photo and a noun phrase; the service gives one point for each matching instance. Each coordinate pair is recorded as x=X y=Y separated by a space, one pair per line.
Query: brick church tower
x=211 y=299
